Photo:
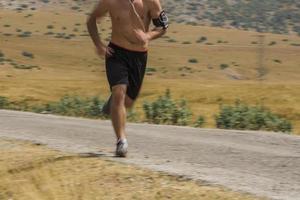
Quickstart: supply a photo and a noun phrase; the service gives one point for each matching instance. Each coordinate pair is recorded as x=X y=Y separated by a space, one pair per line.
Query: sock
x=123 y=140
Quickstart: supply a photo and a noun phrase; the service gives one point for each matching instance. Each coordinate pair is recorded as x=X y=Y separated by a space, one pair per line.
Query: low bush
x=3 y=102
x=186 y=42
x=25 y=34
x=27 y=54
x=201 y=39
x=74 y=106
x=49 y=33
x=50 y=27
x=193 y=60
x=165 y=110
x=150 y=69
x=295 y=44
x=75 y=8
x=200 y=121
x=224 y=66
x=277 y=61
x=21 y=66
x=244 y=117
x=172 y=40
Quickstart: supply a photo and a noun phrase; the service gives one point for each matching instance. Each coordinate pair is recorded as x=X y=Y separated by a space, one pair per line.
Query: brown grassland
x=29 y=171
x=70 y=66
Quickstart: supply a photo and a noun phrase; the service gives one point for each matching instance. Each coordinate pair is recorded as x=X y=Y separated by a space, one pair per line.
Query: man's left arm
x=159 y=19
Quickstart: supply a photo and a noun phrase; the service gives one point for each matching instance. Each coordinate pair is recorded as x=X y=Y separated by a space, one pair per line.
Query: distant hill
x=276 y=16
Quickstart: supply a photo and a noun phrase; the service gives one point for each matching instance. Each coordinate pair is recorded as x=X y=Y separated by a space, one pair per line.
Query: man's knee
x=118 y=94
x=128 y=102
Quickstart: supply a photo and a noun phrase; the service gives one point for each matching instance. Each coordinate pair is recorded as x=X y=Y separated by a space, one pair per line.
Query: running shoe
x=122 y=146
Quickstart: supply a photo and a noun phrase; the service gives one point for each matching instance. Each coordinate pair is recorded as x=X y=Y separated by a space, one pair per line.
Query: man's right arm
x=99 y=11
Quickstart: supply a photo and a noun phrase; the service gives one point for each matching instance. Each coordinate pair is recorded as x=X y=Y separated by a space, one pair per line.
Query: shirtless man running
x=126 y=54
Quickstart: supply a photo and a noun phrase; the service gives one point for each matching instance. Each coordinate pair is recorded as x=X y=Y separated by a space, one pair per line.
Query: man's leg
x=106 y=109
x=128 y=102
x=118 y=110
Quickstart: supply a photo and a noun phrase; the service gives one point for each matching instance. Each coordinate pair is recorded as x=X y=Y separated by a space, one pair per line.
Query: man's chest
x=122 y=9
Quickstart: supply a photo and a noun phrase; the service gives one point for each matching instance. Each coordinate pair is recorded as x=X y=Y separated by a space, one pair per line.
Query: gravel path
x=264 y=164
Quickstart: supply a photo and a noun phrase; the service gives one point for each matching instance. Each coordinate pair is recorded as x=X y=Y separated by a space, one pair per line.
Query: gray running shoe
x=122 y=146
x=106 y=107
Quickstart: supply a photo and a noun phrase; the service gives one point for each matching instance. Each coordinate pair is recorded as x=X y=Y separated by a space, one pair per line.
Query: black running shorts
x=126 y=67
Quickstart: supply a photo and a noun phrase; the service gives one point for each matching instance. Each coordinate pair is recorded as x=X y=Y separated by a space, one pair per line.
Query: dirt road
x=265 y=164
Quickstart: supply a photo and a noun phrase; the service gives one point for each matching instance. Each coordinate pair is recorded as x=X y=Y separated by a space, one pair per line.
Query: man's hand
x=102 y=51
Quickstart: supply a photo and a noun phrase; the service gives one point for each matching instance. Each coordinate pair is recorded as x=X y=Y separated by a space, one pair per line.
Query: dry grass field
x=30 y=171
x=222 y=68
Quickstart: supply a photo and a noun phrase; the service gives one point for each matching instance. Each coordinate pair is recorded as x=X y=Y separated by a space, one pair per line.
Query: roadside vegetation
x=164 y=110
x=244 y=117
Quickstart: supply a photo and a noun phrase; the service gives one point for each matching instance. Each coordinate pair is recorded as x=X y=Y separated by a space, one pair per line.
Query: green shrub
x=224 y=66
x=166 y=111
x=199 y=122
x=27 y=54
x=24 y=6
x=172 y=40
x=25 y=34
x=75 y=8
x=49 y=33
x=244 y=117
x=295 y=44
x=132 y=116
x=193 y=60
x=3 y=102
x=74 y=106
x=186 y=42
x=201 y=39
x=150 y=69
x=277 y=61
x=21 y=66
x=50 y=27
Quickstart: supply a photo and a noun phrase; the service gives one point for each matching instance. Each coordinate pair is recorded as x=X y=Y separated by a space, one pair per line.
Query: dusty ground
x=32 y=171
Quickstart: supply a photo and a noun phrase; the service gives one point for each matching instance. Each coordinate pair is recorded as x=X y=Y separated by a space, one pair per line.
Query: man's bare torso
x=125 y=22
